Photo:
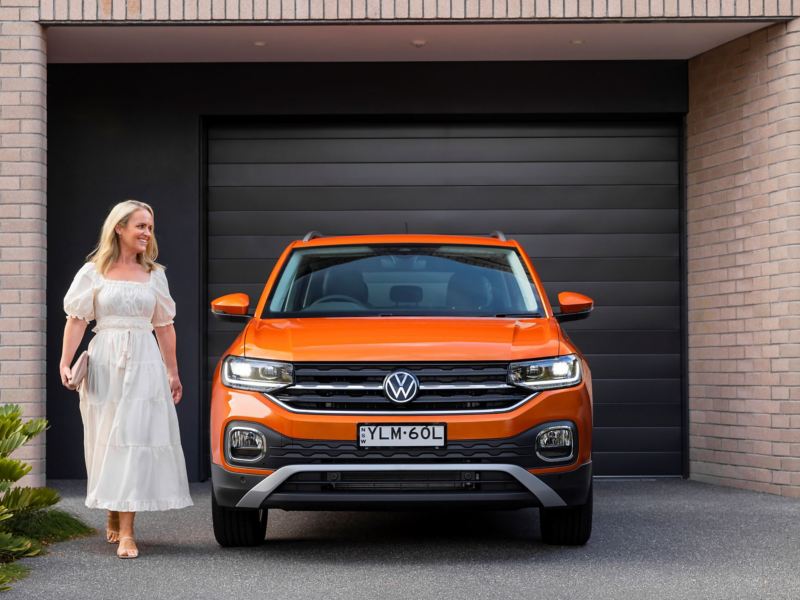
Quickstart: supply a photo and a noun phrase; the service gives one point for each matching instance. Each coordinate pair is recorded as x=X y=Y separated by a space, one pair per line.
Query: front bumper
x=329 y=489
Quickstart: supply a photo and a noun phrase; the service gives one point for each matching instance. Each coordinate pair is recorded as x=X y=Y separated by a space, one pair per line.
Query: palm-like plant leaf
x=14 y=546
x=23 y=499
x=11 y=442
x=10 y=419
x=9 y=412
x=34 y=427
x=12 y=469
x=8 y=428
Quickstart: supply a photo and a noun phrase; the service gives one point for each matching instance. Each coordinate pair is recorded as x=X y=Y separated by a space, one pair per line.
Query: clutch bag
x=78 y=371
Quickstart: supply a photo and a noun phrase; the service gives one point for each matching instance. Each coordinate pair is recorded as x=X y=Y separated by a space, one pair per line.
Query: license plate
x=425 y=435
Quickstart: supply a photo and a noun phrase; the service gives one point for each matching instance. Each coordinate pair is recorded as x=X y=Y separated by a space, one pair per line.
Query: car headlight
x=546 y=374
x=257 y=375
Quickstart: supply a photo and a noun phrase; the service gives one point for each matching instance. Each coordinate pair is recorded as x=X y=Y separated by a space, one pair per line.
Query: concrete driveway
x=652 y=539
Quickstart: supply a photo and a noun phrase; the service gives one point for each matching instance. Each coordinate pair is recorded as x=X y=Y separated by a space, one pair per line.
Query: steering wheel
x=337 y=298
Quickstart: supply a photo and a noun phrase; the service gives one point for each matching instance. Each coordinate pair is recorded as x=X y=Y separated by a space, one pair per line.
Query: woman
x=134 y=458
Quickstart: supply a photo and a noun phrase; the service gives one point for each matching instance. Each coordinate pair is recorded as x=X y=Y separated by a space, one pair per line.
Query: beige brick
x=21 y=310
x=743 y=159
x=25 y=338
x=204 y=8
x=36 y=477
x=29 y=451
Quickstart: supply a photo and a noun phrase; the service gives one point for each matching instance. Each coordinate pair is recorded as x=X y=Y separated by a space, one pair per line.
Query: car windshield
x=403 y=280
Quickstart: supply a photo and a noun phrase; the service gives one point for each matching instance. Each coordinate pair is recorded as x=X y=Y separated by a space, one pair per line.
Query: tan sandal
x=112 y=529
x=127 y=553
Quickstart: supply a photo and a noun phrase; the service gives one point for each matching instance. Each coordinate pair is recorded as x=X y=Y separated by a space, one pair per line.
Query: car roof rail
x=311 y=235
x=499 y=235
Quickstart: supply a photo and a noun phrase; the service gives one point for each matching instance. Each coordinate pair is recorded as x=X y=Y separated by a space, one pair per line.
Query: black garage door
x=596 y=205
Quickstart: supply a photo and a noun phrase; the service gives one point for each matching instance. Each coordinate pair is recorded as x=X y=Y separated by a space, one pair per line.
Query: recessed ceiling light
x=260 y=44
x=576 y=42
x=418 y=43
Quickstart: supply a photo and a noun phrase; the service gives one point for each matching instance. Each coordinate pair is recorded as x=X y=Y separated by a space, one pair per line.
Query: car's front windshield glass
x=403 y=280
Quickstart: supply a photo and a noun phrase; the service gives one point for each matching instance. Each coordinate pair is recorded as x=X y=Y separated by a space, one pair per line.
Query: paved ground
x=652 y=539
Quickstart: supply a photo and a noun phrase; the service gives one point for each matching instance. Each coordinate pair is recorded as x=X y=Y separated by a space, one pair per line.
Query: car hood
x=401 y=339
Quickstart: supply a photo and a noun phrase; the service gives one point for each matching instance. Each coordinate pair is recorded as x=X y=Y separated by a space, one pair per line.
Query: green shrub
x=16 y=502
x=48 y=526
x=25 y=524
x=10 y=572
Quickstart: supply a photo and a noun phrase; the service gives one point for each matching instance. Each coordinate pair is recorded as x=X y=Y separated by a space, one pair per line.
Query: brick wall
x=23 y=242
x=743 y=164
x=410 y=10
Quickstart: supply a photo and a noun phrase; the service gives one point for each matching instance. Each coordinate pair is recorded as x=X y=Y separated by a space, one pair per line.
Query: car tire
x=568 y=526
x=238 y=526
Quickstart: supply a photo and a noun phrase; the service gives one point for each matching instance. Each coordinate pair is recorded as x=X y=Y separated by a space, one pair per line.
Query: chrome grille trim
x=340 y=387
x=400 y=413
x=465 y=386
x=445 y=388
x=377 y=386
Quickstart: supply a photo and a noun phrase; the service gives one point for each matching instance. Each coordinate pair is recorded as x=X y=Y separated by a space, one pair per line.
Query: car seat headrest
x=346 y=282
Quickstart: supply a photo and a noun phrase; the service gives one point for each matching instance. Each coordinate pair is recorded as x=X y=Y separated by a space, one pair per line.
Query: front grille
x=443 y=387
x=514 y=450
x=415 y=481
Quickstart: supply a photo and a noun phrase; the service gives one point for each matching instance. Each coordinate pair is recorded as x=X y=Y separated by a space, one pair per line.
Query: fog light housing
x=555 y=444
x=246 y=444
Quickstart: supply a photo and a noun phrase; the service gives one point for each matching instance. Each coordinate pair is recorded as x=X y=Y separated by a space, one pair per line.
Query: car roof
x=404 y=238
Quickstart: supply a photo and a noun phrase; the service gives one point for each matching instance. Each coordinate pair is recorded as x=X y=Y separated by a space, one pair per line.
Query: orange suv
x=396 y=371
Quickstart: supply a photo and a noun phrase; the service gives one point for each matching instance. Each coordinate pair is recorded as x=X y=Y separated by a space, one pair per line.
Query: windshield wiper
x=512 y=315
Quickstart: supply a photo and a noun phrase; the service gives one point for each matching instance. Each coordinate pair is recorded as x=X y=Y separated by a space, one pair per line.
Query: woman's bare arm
x=73 y=334
x=167 y=341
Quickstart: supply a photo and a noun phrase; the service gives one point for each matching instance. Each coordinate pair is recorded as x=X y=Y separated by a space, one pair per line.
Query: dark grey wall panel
x=624 y=341
x=444 y=173
x=437 y=150
x=625 y=463
x=434 y=129
x=595 y=205
x=632 y=415
x=507 y=197
x=636 y=439
x=346 y=222
x=637 y=390
x=138 y=130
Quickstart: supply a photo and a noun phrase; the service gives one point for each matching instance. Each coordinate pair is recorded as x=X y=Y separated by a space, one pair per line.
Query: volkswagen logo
x=400 y=386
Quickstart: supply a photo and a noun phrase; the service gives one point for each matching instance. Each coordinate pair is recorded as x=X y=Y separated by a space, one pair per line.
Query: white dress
x=134 y=459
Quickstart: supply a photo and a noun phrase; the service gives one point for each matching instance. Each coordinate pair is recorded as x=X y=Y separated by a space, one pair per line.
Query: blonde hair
x=107 y=250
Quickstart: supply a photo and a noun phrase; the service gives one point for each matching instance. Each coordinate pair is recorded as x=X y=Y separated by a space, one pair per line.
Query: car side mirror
x=573 y=306
x=232 y=307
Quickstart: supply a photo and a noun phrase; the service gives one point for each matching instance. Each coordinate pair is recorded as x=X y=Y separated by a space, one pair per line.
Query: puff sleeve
x=164 y=312
x=79 y=301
